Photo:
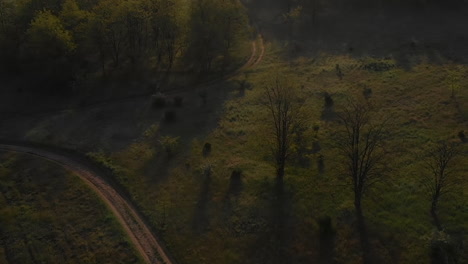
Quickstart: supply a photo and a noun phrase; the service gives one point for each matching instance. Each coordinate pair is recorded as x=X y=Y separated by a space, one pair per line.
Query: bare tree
x=284 y=111
x=361 y=146
x=440 y=181
x=360 y=143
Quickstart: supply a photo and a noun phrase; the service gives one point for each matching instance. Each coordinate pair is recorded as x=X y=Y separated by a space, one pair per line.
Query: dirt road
x=142 y=237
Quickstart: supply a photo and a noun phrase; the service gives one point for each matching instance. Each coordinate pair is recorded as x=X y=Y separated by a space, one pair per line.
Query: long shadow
x=327 y=240
x=368 y=256
x=235 y=188
x=200 y=220
x=281 y=222
x=276 y=239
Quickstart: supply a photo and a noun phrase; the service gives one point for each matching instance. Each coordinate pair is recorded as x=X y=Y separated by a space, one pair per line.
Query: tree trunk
x=357 y=206
x=434 y=215
x=280 y=171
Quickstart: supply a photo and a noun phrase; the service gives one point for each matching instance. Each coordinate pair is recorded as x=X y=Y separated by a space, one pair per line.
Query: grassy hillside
x=48 y=215
x=222 y=206
x=206 y=215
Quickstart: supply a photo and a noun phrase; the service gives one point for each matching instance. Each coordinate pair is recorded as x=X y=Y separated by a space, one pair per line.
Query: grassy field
x=48 y=215
x=207 y=216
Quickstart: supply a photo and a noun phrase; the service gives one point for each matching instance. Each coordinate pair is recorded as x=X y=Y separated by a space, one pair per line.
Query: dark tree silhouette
x=361 y=146
x=439 y=182
x=285 y=117
x=360 y=143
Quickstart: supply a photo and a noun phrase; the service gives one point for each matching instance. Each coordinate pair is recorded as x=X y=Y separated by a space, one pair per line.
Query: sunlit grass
x=203 y=221
x=49 y=215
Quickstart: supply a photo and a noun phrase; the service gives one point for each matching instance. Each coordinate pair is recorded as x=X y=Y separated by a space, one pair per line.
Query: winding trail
x=145 y=242
x=140 y=234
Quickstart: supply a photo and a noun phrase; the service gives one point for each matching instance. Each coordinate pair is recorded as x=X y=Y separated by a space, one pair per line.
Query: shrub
x=328 y=100
x=170 y=116
x=339 y=73
x=462 y=136
x=321 y=163
x=367 y=92
x=378 y=66
x=158 y=100
x=178 y=101
x=206 y=149
x=236 y=175
x=204 y=96
x=235 y=185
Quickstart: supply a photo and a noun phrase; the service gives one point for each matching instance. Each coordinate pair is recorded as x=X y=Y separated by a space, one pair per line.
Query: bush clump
x=378 y=66
x=178 y=101
x=206 y=149
x=328 y=100
x=158 y=100
x=170 y=116
x=462 y=136
x=367 y=92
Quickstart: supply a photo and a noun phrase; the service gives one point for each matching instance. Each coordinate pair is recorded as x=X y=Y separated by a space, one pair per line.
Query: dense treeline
x=61 y=39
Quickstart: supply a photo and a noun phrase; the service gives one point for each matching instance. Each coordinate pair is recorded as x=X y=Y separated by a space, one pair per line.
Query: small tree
x=361 y=146
x=440 y=181
x=284 y=117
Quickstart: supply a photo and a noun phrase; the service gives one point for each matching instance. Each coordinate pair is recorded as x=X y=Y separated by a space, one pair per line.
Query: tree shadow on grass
x=235 y=188
x=158 y=168
x=276 y=239
x=200 y=220
x=327 y=240
x=368 y=253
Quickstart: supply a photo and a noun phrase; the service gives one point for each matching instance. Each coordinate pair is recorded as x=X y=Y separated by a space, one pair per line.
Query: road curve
x=143 y=239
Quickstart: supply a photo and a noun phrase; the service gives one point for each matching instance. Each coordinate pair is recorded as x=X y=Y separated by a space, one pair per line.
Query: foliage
x=47 y=37
x=214 y=28
x=154 y=35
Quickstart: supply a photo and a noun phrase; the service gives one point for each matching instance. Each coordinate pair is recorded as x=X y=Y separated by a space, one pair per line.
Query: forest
x=234 y=131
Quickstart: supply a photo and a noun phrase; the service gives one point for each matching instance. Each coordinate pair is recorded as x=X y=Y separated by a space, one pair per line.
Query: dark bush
x=170 y=116
x=236 y=174
x=367 y=92
x=462 y=136
x=235 y=185
x=203 y=96
x=206 y=149
x=178 y=101
x=316 y=128
x=378 y=66
x=339 y=73
x=321 y=163
x=328 y=100
x=158 y=100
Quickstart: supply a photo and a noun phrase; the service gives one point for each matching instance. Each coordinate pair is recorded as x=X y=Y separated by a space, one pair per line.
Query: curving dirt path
x=144 y=240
